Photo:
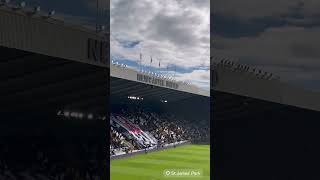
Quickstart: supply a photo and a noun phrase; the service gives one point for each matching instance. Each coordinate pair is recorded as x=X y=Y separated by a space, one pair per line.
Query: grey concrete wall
x=35 y=33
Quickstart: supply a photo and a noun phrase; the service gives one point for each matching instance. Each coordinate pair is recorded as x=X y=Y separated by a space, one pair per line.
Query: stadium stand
x=136 y=126
x=150 y=111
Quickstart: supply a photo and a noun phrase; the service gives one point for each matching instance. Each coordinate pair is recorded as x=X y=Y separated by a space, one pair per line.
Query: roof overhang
x=34 y=82
x=246 y=83
x=49 y=36
x=145 y=79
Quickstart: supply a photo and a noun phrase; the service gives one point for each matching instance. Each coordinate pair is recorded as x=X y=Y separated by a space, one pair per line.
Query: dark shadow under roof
x=124 y=88
x=34 y=82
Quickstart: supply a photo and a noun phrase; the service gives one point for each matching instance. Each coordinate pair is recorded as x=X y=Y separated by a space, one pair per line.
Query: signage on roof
x=156 y=81
x=97 y=50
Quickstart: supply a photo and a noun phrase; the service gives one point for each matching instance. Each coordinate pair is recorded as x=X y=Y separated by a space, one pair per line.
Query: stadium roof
x=130 y=82
x=124 y=88
x=34 y=82
x=49 y=65
x=46 y=35
x=242 y=80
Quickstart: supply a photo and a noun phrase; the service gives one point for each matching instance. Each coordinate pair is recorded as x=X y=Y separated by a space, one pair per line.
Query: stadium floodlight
x=36 y=9
x=59 y=113
x=51 y=13
x=73 y=114
x=81 y=115
x=4 y=2
x=22 y=4
x=102 y=28
x=66 y=113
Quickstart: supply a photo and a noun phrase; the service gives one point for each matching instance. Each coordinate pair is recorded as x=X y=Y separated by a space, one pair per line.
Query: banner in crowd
x=141 y=136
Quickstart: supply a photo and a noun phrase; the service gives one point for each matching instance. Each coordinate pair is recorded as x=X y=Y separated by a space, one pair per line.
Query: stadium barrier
x=151 y=149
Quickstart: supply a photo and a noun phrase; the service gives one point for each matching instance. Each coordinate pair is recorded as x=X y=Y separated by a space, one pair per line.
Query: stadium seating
x=157 y=129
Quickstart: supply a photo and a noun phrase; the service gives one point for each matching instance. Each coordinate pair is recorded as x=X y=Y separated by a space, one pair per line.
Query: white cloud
x=174 y=32
x=201 y=78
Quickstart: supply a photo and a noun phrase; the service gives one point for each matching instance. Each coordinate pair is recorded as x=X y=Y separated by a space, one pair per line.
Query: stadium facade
x=148 y=79
x=36 y=45
x=54 y=95
x=41 y=33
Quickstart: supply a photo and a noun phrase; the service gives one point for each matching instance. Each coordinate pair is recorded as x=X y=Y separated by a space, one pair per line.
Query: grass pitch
x=153 y=166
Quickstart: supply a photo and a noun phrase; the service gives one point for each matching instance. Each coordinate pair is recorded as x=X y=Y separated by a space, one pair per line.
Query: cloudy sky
x=175 y=33
x=278 y=36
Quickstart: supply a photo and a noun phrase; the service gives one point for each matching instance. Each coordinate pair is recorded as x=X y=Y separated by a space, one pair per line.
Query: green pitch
x=154 y=165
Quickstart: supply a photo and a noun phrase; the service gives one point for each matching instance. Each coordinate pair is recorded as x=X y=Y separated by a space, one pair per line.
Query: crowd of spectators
x=165 y=127
x=29 y=158
x=117 y=142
